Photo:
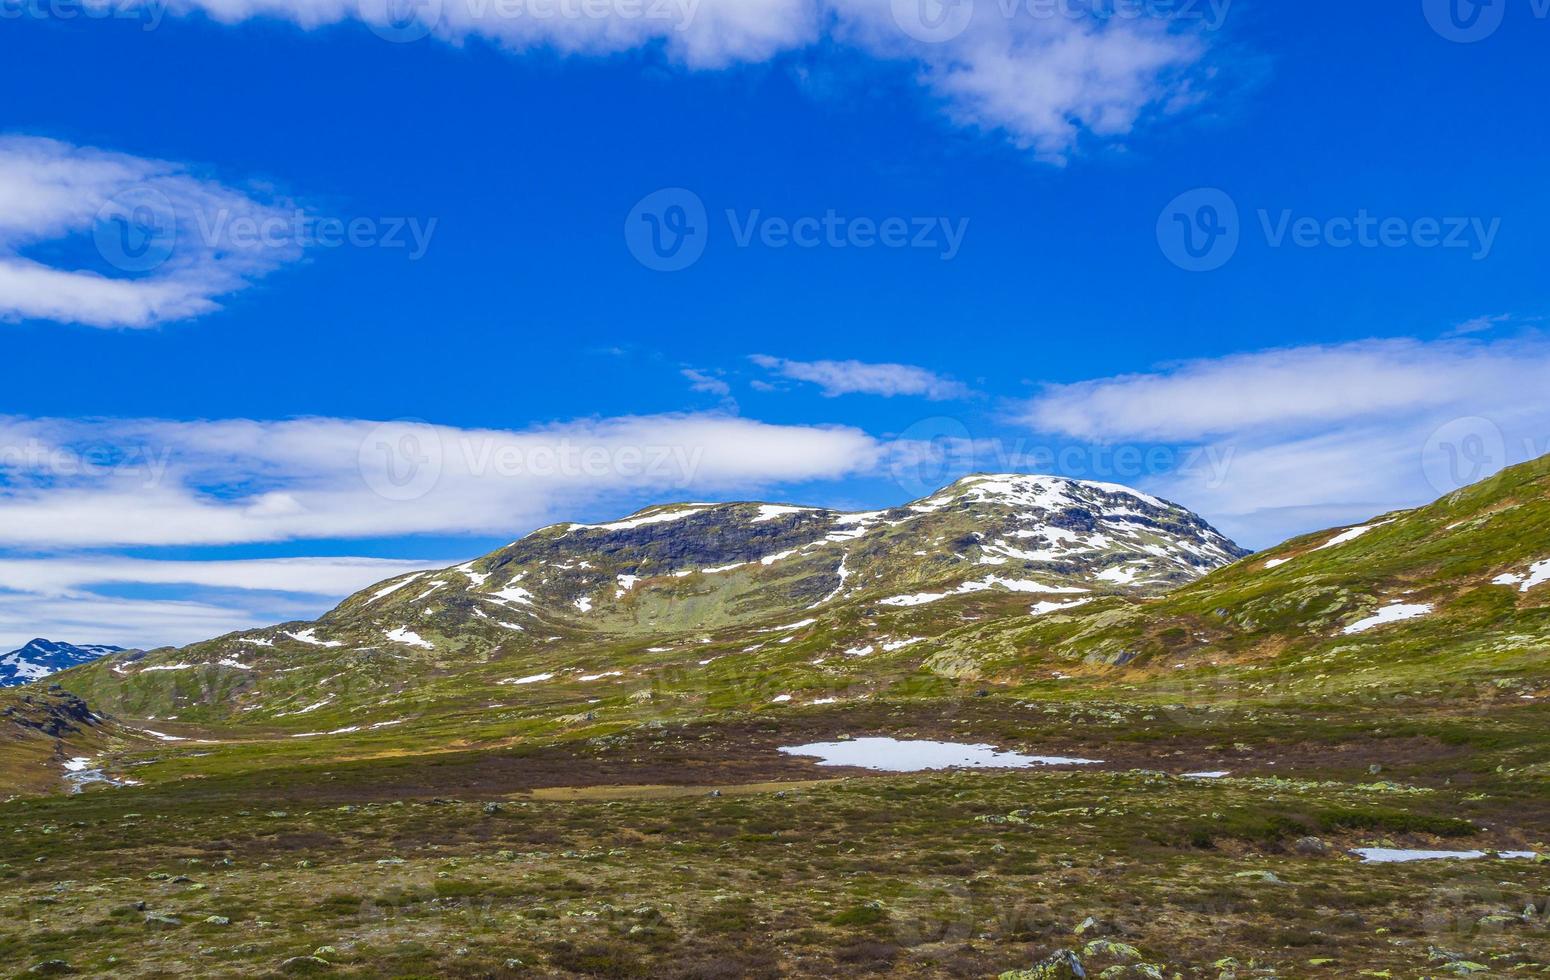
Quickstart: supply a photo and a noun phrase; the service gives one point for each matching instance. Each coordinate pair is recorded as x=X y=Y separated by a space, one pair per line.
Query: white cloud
x=143 y=623
x=857 y=377
x=168 y=244
x=1043 y=74
x=315 y=576
x=1301 y=438
x=66 y=599
x=706 y=383
x=100 y=483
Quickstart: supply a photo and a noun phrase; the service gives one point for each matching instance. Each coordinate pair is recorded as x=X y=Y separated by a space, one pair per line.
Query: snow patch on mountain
x=1393 y=613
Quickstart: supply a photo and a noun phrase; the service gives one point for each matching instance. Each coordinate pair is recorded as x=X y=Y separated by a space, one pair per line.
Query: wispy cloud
x=1308 y=437
x=706 y=383
x=158 y=242
x=858 y=377
x=1045 y=75
x=71 y=598
x=101 y=483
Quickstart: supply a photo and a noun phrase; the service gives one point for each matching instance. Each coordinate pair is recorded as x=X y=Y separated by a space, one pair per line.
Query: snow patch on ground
x=389 y=590
x=1537 y=574
x=917 y=755
x=1398 y=855
x=768 y=512
x=1041 y=608
x=309 y=636
x=408 y=637
x=989 y=582
x=1393 y=613
x=530 y=679
x=660 y=517
x=1350 y=534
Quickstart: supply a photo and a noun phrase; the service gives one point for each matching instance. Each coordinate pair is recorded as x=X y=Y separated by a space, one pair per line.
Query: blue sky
x=999 y=277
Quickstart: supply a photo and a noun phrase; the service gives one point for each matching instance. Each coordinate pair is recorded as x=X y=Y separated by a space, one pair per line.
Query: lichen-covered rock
x=1111 y=949
x=1061 y=965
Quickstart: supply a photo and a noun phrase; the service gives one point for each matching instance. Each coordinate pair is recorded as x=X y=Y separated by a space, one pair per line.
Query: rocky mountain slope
x=717 y=578
x=41 y=657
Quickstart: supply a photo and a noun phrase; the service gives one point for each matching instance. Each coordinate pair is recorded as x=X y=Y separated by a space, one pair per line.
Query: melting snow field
x=1537 y=574
x=1394 y=613
x=910 y=755
x=1395 y=855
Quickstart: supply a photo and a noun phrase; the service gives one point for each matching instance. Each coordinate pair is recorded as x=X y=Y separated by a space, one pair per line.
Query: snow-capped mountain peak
x=41 y=657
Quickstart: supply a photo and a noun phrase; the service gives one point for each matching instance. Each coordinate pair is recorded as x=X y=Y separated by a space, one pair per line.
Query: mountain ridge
x=704 y=573
x=40 y=658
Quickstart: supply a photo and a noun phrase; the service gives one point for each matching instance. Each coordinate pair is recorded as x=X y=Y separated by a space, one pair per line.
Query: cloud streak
x=1044 y=75
x=837 y=378
x=70 y=598
x=103 y=483
x=159 y=243
x=1321 y=435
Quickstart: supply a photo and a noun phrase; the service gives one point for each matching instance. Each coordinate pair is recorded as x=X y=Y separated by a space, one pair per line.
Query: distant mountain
x=724 y=578
x=41 y=658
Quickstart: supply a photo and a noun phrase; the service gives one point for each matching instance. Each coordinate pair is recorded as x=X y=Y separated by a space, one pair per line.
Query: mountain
x=722 y=578
x=1452 y=596
x=41 y=658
